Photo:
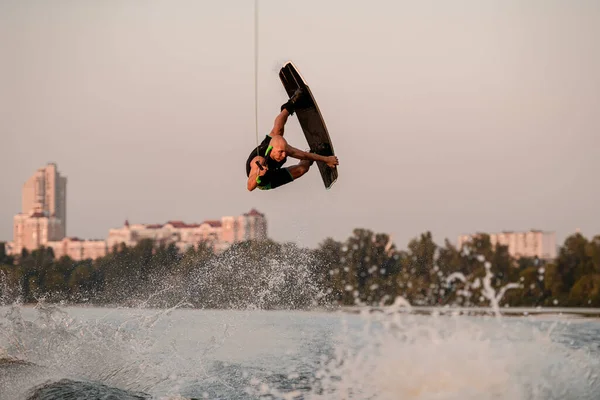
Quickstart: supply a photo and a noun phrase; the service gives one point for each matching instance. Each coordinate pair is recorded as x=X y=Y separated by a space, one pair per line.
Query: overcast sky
x=448 y=116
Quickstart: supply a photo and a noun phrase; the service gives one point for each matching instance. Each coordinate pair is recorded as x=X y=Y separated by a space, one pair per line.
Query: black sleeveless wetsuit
x=276 y=175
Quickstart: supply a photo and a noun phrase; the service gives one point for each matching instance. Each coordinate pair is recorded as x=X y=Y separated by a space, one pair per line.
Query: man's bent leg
x=280 y=121
x=298 y=99
x=284 y=176
x=279 y=177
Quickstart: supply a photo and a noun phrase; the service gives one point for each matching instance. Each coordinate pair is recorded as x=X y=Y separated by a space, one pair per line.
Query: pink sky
x=452 y=117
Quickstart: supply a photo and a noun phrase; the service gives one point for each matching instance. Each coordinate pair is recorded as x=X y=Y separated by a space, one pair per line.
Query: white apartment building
x=533 y=243
x=218 y=233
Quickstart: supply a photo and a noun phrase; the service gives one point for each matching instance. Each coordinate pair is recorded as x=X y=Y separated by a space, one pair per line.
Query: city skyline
x=464 y=117
x=45 y=192
x=44 y=203
x=44 y=208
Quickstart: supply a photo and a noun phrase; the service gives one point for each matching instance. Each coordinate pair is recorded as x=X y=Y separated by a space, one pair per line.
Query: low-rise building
x=220 y=234
x=78 y=249
x=533 y=243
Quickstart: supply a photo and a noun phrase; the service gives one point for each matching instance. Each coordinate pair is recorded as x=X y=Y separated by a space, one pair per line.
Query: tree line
x=366 y=268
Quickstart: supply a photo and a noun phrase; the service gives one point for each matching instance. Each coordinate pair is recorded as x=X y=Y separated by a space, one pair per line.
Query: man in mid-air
x=264 y=164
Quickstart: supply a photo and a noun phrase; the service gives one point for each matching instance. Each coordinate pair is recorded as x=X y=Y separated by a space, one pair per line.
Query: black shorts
x=275 y=178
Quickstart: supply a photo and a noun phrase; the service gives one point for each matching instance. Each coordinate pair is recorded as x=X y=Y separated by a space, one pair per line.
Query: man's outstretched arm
x=293 y=152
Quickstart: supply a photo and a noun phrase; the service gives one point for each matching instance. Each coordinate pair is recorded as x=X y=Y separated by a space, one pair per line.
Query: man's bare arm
x=252 y=184
x=303 y=155
x=255 y=172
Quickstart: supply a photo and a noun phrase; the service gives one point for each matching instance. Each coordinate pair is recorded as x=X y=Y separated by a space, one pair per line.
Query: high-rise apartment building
x=46 y=192
x=43 y=215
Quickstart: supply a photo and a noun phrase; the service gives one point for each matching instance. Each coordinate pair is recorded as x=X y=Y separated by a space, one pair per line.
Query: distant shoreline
x=505 y=311
x=573 y=312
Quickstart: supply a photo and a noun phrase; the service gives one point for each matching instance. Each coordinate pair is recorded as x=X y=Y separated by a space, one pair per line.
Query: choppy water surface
x=91 y=353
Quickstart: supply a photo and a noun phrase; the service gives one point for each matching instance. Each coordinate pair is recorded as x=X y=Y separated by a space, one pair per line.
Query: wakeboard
x=311 y=121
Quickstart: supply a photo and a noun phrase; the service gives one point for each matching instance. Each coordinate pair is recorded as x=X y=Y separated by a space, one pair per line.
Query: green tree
x=573 y=261
x=592 y=250
x=556 y=290
x=419 y=280
x=80 y=282
x=586 y=292
x=5 y=258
